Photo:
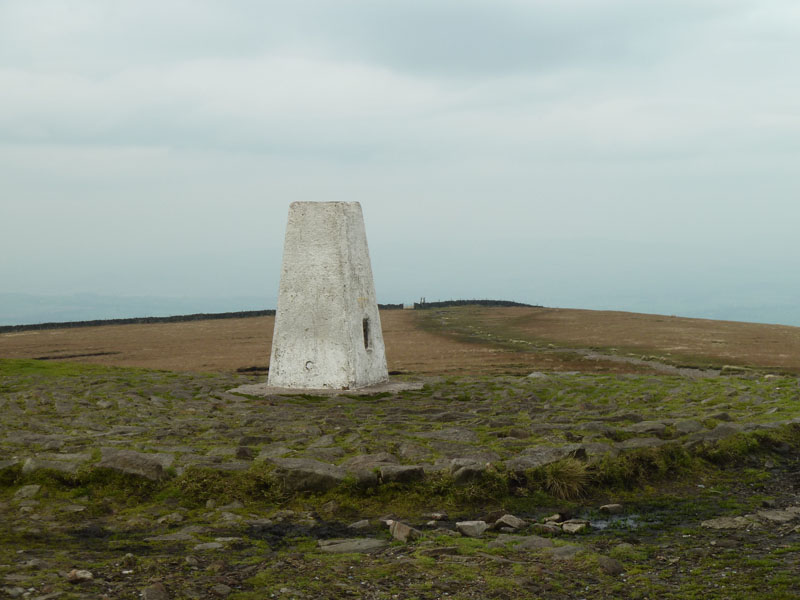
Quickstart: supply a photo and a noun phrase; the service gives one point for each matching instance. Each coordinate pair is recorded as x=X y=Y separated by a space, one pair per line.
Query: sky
x=601 y=154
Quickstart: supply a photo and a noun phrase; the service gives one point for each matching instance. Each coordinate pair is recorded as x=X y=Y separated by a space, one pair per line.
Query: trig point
x=327 y=327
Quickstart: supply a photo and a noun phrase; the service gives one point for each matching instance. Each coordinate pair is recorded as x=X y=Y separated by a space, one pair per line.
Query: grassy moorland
x=164 y=484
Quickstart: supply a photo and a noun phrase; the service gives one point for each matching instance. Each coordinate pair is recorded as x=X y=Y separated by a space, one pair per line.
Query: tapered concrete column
x=327 y=327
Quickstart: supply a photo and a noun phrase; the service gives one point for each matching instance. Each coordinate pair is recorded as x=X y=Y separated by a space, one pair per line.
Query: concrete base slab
x=264 y=389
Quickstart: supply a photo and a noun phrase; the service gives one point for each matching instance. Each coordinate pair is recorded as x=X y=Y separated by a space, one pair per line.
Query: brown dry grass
x=230 y=344
x=682 y=339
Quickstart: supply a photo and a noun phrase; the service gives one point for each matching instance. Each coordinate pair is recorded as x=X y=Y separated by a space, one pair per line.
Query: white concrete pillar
x=327 y=327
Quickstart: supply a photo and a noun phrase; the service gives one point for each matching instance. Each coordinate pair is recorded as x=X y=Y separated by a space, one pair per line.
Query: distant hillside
x=228 y=315
x=448 y=303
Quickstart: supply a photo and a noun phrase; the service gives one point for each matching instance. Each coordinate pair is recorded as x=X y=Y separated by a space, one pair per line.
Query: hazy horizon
x=25 y=309
x=599 y=154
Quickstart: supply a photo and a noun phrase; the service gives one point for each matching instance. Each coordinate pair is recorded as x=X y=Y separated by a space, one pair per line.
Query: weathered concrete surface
x=327 y=327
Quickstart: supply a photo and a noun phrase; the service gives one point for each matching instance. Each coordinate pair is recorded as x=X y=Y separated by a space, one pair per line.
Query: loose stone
x=209 y=546
x=509 y=521
x=301 y=474
x=27 y=491
x=563 y=552
x=403 y=532
x=402 y=473
x=437 y=516
x=132 y=463
x=362 y=524
x=728 y=523
x=472 y=529
x=221 y=590
x=611 y=509
x=357 y=545
x=574 y=526
x=79 y=576
x=610 y=565
x=546 y=528
x=156 y=591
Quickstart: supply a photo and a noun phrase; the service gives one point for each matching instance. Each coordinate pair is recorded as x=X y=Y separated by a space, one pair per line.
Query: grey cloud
x=445 y=38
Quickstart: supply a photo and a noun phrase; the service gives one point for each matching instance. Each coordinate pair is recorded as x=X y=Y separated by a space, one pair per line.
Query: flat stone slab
x=262 y=389
x=360 y=545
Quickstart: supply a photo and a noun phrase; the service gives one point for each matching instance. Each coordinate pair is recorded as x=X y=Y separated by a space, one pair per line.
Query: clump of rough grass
x=566 y=479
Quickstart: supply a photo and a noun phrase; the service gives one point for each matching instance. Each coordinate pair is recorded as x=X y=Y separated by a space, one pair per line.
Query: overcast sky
x=582 y=153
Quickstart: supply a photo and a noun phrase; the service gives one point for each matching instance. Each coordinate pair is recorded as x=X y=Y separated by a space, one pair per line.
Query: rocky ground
x=128 y=483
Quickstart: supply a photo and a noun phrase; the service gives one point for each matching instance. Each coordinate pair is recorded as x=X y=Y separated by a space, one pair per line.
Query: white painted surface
x=326 y=295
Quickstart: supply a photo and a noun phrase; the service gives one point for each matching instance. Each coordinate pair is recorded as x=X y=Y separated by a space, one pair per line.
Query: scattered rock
x=728 y=523
x=574 y=526
x=472 y=529
x=79 y=576
x=132 y=463
x=5 y=464
x=554 y=518
x=362 y=524
x=156 y=591
x=469 y=473
x=27 y=491
x=403 y=532
x=546 y=528
x=245 y=453
x=356 y=545
x=720 y=432
x=273 y=451
x=401 y=473
x=563 y=552
x=611 y=509
x=369 y=461
x=599 y=449
x=634 y=443
x=327 y=453
x=451 y=434
x=39 y=464
x=330 y=507
x=34 y=564
x=687 y=427
x=509 y=521
x=171 y=537
x=437 y=516
x=778 y=516
x=174 y=517
x=539 y=456
x=538 y=375
x=209 y=546
x=323 y=441
x=254 y=440
x=646 y=427
x=610 y=565
x=221 y=590
x=410 y=451
x=301 y=474
x=722 y=416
